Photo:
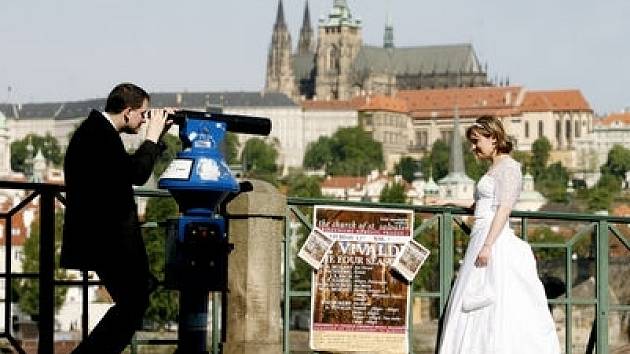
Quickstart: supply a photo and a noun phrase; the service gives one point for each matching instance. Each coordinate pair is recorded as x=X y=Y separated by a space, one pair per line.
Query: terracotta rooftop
x=557 y=100
x=343 y=182
x=623 y=118
x=351 y=105
x=17 y=224
x=384 y=103
x=471 y=102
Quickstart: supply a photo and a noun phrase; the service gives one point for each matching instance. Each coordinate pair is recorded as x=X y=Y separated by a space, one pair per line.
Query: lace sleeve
x=508 y=184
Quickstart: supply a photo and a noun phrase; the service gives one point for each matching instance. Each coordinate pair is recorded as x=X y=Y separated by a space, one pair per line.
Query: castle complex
x=337 y=65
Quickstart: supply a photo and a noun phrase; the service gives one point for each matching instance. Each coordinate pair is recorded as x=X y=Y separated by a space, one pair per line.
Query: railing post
x=446 y=257
x=254 y=282
x=602 y=287
x=46 y=272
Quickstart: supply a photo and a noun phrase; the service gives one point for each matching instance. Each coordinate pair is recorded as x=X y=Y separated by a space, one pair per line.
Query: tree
x=319 y=154
x=230 y=148
x=540 y=155
x=163 y=305
x=407 y=167
x=436 y=162
x=27 y=290
x=259 y=158
x=303 y=186
x=617 y=163
x=349 y=152
x=599 y=198
x=552 y=182
x=394 y=193
x=47 y=144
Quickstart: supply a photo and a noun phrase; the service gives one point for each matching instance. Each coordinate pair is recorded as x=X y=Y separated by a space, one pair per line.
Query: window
x=333 y=63
x=567 y=130
x=558 y=129
x=422 y=138
x=527 y=129
x=446 y=136
x=541 y=129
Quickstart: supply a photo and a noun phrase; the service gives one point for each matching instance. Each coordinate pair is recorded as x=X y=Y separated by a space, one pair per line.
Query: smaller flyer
x=410 y=259
x=315 y=247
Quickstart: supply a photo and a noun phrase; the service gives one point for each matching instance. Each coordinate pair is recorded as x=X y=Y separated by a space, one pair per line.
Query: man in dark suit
x=101 y=228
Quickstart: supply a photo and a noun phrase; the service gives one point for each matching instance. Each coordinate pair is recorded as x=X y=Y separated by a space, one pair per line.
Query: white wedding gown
x=501 y=308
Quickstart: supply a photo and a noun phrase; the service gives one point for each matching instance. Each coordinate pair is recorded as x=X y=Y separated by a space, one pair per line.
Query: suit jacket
x=101 y=222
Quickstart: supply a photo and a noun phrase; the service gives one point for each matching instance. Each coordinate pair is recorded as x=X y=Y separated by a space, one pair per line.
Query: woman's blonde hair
x=491 y=127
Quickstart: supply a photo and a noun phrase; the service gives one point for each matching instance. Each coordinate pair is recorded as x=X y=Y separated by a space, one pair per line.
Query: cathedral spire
x=456 y=185
x=388 y=37
x=279 y=67
x=306 y=42
x=280 y=17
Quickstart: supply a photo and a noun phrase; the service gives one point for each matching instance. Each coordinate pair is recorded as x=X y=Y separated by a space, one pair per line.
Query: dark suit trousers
x=129 y=287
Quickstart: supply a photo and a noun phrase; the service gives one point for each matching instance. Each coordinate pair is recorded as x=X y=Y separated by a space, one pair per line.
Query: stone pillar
x=256 y=228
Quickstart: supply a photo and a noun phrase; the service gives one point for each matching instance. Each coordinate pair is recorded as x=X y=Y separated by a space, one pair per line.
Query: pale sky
x=57 y=50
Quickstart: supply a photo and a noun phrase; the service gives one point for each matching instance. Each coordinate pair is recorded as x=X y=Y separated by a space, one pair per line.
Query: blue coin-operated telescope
x=197 y=247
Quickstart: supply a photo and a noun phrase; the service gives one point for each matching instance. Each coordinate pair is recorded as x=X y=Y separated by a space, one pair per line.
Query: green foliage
x=598 y=198
x=163 y=306
x=319 y=154
x=407 y=167
x=259 y=158
x=602 y=195
x=617 y=163
x=230 y=148
x=436 y=162
x=173 y=146
x=27 y=290
x=552 y=182
x=350 y=152
x=303 y=186
x=393 y=193
x=47 y=144
x=541 y=150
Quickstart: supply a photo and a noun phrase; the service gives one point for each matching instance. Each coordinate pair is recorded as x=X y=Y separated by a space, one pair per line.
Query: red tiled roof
x=352 y=104
x=343 y=182
x=17 y=223
x=556 y=100
x=623 y=118
x=384 y=103
x=471 y=102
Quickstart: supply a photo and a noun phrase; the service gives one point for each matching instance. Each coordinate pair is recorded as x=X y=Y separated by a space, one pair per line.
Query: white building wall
x=286 y=131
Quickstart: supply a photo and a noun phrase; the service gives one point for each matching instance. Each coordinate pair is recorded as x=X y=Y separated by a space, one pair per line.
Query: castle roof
x=414 y=60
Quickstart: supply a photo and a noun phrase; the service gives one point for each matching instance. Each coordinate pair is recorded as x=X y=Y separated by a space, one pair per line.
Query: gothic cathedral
x=338 y=66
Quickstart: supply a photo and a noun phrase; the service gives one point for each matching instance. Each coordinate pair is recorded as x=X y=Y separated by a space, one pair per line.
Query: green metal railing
x=599 y=227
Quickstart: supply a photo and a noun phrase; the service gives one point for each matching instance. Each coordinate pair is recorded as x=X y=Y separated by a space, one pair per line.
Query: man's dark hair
x=125 y=95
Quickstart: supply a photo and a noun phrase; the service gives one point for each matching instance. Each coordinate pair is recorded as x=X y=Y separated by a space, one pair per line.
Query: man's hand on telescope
x=158 y=123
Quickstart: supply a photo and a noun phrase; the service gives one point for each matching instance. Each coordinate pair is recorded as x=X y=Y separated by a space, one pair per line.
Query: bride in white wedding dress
x=498 y=304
